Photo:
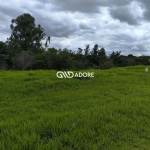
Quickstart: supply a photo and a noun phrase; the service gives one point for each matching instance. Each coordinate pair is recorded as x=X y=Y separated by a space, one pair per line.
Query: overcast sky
x=116 y=25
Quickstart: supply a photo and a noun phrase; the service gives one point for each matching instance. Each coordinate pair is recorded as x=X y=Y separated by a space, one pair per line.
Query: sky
x=116 y=25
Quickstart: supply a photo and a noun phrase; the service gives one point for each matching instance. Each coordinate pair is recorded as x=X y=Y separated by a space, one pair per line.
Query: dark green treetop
x=25 y=34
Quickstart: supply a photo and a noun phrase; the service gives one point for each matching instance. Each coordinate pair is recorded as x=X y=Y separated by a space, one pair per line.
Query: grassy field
x=111 y=111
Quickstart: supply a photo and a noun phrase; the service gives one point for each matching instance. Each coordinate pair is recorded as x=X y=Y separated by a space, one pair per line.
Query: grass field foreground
x=111 y=111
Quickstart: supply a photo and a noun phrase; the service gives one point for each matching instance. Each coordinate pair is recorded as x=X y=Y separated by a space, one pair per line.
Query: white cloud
x=134 y=47
x=115 y=25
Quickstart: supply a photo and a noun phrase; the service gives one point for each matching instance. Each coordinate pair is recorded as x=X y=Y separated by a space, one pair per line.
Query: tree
x=95 y=49
x=2 y=48
x=145 y=60
x=4 y=61
x=102 y=53
x=115 y=57
x=25 y=34
x=102 y=57
x=87 y=49
x=47 y=41
x=5 y=58
x=79 y=51
x=25 y=59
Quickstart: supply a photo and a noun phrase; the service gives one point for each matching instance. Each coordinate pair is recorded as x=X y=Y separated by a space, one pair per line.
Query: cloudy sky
x=116 y=25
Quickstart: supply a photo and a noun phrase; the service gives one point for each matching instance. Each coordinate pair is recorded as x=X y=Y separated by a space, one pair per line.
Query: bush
x=108 y=64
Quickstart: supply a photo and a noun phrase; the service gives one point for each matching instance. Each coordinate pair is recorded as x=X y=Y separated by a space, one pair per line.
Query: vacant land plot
x=111 y=111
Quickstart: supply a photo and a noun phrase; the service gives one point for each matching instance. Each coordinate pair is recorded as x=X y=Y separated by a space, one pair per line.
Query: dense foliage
x=24 y=50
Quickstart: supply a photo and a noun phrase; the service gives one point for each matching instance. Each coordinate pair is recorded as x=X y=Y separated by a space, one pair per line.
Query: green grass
x=111 y=111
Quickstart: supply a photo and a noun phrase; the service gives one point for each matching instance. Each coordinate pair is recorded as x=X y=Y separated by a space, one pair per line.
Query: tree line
x=24 y=50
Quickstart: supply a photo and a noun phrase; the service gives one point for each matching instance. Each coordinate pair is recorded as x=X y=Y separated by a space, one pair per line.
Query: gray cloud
x=87 y=6
x=58 y=29
x=116 y=25
x=124 y=15
x=123 y=37
x=84 y=26
x=146 y=5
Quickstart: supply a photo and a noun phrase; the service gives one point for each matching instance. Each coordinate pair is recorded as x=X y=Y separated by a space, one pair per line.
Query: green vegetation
x=108 y=112
x=25 y=50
